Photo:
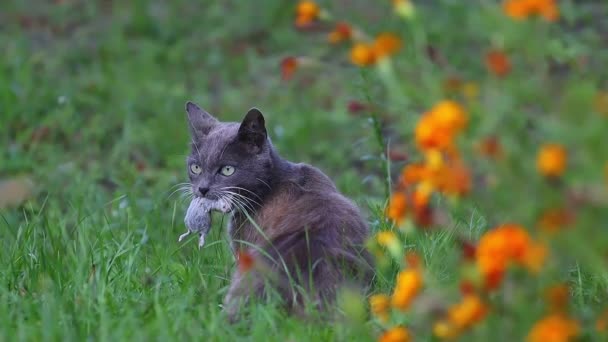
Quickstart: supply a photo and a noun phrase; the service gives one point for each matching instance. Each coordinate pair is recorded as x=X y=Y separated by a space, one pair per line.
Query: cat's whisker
x=247 y=199
x=239 y=188
x=243 y=198
x=263 y=182
x=234 y=199
x=183 y=189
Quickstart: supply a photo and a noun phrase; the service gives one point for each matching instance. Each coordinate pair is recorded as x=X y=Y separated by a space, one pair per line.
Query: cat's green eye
x=196 y=169
x=227 y=170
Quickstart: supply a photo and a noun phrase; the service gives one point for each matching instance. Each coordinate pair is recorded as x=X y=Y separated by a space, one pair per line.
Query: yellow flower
x=389 y=240
x=409 y=283
x=554 y=328
x=404 y=8
x=445 y=330
x=396 y=334
x=551 y=160
x=379 y=305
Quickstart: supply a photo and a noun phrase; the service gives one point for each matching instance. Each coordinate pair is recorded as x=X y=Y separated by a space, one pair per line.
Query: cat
x=304 y=236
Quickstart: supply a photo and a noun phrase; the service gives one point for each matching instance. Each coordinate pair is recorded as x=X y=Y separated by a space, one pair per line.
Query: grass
x=91 y=110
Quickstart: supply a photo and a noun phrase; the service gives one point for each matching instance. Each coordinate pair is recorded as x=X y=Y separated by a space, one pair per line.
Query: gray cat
x=305 y=238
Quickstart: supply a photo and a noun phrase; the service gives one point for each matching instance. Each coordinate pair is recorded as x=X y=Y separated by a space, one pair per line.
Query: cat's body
x=304 y=236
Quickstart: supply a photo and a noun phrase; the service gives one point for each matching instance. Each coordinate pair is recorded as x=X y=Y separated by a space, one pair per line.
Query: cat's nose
x=203 y=191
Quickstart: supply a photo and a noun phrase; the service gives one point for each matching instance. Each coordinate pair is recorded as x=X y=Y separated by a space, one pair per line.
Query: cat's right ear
x=199 y=121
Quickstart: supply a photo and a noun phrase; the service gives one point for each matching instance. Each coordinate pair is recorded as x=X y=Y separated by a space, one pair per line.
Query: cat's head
x=229 y=160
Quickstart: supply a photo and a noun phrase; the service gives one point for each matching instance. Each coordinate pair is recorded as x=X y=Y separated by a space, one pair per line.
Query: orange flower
x=498 y=63
x=460 y=317
x=397 y=334
x=409 y=283
x=535 y=257
x=490 y=147
x=554 y=328
x=288 y=67
x=551 y=160
x=468 y=312
x=245 y=261
x=523 y=9
x=379 y=305
x=386 y=44
x=450 y=115
x=454 y=179
x=509 y=243
x=557 y=297
x=362 y=54
x=397 y=207
x=306 y=13
x=341 y=32
x=438 y=127
x=553 y=220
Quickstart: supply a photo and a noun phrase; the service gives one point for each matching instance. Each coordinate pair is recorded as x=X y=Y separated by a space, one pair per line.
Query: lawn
x=93 y=141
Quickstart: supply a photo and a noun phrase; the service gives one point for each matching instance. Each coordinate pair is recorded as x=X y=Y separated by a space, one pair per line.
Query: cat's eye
x=195 y=168
x=227 y=170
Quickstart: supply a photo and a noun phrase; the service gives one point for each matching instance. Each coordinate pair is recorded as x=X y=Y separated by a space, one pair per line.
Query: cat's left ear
x=253 y=131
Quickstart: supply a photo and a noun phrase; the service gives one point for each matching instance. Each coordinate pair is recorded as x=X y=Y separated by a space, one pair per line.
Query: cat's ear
x=199 y=121
x=253 y=131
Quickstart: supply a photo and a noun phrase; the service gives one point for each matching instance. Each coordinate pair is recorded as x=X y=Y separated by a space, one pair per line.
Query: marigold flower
x=445 y=330
x=245 y=261
x=551 y=160
x=509 y=243
x=408 y=285
x=386 y=44
x=342 y=32
x=470 y=90
x=414 y=173
x=454 y=179
x=498 y=63
x=554 y=328
x=450 y=115
x=379 y=305
x=468 y=312
x=523 y=9
x=436 y=129
x=601 y=325
x=362 y=54
x=535 y=257
x=554 y=219
x=490 y=147
x=389 y=240
x=397 y=207
x=397 y=334
x=306 y=12
x=557 y=297
x=600 y=103
x=288 y=67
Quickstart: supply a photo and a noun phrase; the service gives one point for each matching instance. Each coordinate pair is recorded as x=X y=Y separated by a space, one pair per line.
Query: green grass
x=91 y=110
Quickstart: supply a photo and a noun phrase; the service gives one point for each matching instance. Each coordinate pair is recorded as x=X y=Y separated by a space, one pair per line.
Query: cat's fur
x=304 y=236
